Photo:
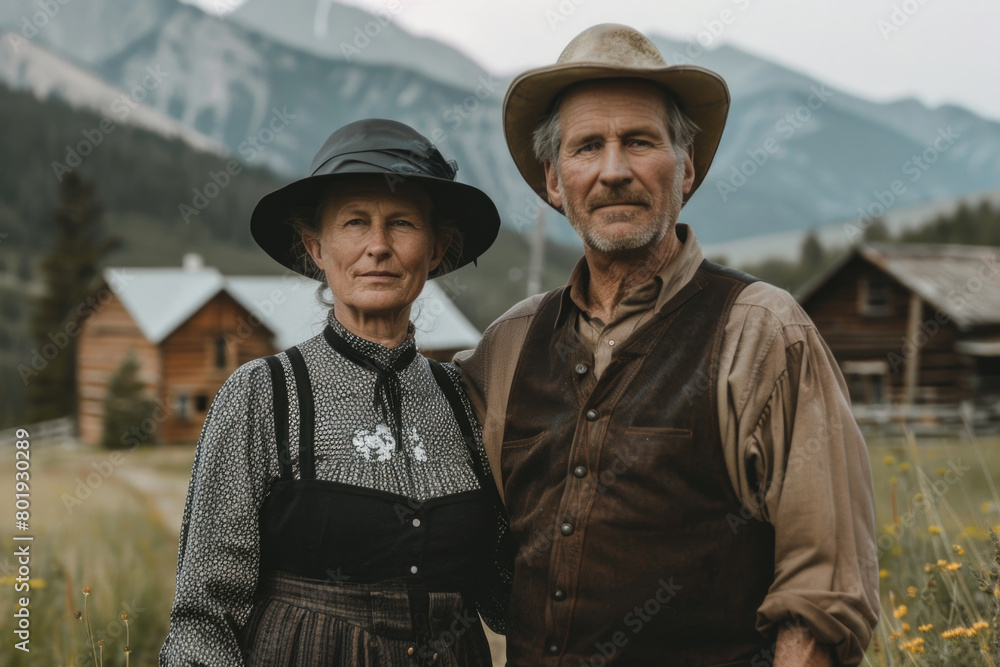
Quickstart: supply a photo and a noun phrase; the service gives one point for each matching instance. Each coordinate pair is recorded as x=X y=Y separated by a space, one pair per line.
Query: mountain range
x=796 y=153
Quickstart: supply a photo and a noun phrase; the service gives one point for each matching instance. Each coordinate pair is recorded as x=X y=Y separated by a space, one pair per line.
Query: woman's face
x=376 y=246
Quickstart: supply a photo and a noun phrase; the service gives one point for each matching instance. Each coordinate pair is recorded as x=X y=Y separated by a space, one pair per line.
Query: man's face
x=619 y=180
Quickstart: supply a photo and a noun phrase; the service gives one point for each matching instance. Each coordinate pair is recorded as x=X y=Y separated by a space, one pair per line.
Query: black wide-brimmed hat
x=400 y=154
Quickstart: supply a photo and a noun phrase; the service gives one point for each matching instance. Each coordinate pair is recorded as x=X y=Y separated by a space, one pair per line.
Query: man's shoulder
x=520 y=313
x=772 y=303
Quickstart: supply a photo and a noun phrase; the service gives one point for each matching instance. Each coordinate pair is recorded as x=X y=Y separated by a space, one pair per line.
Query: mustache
x=619 y=196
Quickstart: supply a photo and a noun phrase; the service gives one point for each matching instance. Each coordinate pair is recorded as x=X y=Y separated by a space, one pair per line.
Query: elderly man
x=679 y=461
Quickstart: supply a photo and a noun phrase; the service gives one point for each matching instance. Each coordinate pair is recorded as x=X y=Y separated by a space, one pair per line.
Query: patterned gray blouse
x=236 y=460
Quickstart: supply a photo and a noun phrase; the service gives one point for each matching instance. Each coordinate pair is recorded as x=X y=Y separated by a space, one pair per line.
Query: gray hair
x=547 y=137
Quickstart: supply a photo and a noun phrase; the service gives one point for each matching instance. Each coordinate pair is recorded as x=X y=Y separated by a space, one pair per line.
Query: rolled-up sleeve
x=798 y=461
x=218 y=557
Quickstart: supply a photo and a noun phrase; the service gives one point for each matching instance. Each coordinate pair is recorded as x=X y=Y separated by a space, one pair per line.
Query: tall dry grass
x=116 y=542
x=936 y=504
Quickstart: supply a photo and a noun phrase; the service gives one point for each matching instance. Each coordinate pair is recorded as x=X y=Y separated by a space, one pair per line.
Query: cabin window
x=220 y=352
x=201 y=403
x=867 y=381
x=181 y=406
x=873 y=296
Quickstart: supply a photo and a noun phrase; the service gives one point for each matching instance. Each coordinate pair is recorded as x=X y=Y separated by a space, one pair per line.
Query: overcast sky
x=937 y=51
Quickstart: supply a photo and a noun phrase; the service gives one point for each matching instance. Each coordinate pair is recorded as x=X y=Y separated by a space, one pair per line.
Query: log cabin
x=912 y=324
x=190 y=327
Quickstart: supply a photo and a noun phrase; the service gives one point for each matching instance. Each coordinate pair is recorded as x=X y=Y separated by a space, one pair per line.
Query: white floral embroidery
x=381 y=443
x=416 y=449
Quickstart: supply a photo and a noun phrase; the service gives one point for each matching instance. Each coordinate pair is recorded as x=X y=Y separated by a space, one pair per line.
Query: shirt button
x=552 y=649
x=559 y=595
x=416 y=523
x=413 y=569
x=581 y=369
x=611 y=342
x=411 y=650
x=566 y=529
x=592 y=415
x=580 y=471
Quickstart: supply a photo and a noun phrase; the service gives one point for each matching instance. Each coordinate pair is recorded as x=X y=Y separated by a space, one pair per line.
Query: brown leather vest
x=632 y=546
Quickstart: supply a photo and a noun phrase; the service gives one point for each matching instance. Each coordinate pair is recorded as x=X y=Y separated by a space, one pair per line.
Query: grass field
x=111 y=524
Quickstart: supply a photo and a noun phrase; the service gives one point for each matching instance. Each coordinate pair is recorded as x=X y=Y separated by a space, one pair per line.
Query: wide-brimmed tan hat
x=612 y=51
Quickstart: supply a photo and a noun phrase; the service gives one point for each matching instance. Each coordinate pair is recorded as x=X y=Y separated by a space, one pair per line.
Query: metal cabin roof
x=961 y=281
x=162 y=299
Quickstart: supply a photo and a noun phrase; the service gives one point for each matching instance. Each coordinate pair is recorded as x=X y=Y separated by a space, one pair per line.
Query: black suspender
x=307 y=412
x=307 y=467
x=280 y=416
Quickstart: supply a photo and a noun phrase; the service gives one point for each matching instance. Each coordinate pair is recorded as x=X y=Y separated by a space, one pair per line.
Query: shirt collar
x=385 y=356
x=669 y=281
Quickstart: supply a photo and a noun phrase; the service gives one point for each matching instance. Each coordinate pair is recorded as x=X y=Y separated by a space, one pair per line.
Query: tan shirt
x=785 y=418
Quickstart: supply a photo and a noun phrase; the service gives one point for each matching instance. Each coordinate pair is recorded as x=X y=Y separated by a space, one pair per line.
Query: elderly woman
x=341 y=509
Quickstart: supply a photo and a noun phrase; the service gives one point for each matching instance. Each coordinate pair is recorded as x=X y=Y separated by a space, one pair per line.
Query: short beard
x=642 y=238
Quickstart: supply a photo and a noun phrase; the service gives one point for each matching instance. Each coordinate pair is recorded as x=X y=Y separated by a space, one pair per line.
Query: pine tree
x=126 y=405
x=69 y=272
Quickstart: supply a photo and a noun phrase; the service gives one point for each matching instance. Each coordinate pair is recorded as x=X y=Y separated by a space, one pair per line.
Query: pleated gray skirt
x=298 y=622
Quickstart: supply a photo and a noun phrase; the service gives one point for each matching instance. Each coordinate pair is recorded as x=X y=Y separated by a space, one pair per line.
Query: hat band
x=432 y=164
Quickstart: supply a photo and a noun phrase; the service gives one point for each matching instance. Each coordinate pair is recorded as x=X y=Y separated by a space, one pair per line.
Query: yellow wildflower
x=888 y=460
x=951 y=567
x=928 y=568
x=883 y=573
x=918 y=497
x=904 y=466
x=986 y=507
x=942 y=470
x=914 y=645
x=934 y=530
x=953 y=632
x=942 y=563
x=912 y=591
x=958 y=549
x=925 y=627
x=905 y=627
x=900 y=611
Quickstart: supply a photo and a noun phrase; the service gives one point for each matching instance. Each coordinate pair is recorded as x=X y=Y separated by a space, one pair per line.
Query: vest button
x=566 y=529
x=581 y=369
x=416 y=523
x=552 y=649
x=593 y=415
x=580 y=471
x=414 y=569
x=559 y=595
